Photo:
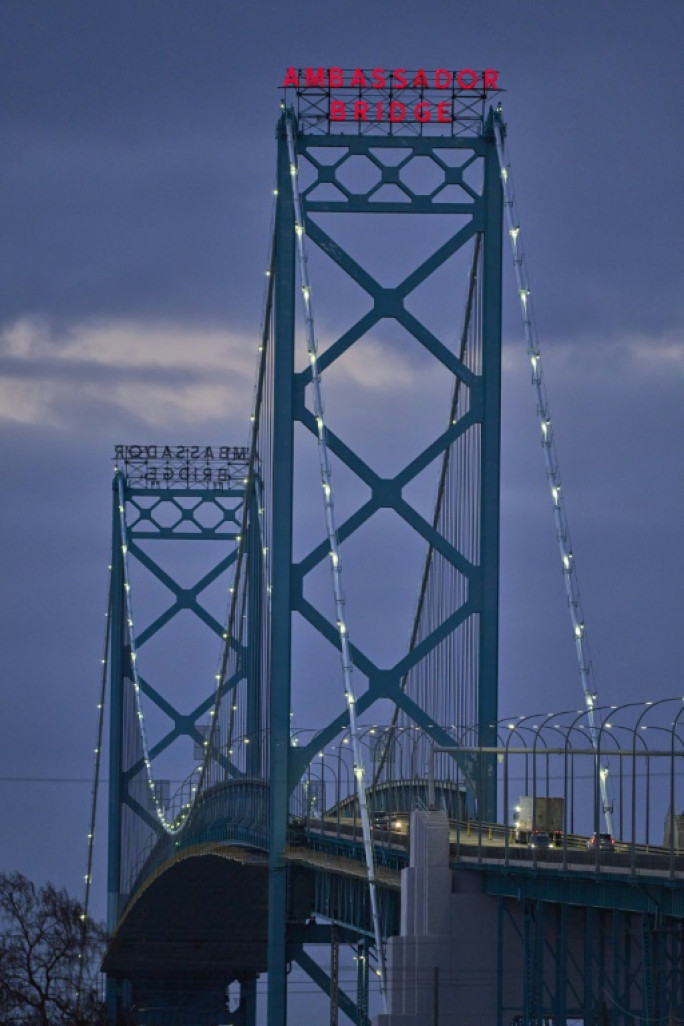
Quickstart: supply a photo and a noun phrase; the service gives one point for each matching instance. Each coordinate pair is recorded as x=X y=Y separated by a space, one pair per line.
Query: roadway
x=494 y=843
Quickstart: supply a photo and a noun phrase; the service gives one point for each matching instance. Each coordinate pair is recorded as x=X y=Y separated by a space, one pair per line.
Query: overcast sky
x=137 y=172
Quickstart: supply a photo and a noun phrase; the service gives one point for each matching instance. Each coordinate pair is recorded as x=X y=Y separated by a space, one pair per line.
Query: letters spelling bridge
x=389 y=830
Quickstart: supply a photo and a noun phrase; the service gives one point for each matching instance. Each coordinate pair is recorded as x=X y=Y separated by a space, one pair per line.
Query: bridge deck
x=204 y=910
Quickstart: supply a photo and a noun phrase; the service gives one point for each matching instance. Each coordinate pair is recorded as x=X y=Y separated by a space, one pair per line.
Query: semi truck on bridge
x=536 y=814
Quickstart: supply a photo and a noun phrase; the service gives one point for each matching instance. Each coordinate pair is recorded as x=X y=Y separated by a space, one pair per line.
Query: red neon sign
x=439 y=96
x=378 y=78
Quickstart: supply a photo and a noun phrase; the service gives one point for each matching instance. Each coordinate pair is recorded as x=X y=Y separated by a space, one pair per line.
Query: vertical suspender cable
x=553 y=472
x=324 y=462
x=438 y=512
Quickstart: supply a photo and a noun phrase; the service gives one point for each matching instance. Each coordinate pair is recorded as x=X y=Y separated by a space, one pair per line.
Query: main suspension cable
x=174 y=825
x=93 y=802
x=553 y=471
x=336 y=565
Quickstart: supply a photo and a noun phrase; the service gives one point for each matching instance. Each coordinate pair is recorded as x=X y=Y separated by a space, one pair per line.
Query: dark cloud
x=140 y=147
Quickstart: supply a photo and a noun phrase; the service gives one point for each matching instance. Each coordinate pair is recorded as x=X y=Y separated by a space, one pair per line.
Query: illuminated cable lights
x=345 y=647
x=170 y=826
x=94 y=798
x=551 y=461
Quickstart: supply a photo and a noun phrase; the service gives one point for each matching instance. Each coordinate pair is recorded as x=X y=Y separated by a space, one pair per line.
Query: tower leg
x=490 y=456
x=334 y=976
x=281 y=605
x=248 y=1001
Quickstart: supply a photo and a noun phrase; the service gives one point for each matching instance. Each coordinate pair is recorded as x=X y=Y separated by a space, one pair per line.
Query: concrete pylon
x=440 y=970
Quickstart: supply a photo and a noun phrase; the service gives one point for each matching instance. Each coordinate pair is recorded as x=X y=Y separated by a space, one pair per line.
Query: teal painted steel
x=324 y=983
x=281 y=600
x=639 y=894
x=483 y=211
x=589 y=942
x=248 y=1000
x=488 y=689
x=386 y=493
x=562 y=962
x=125 y=808
x=561 y=950
x=116 y=665
x=254 y=664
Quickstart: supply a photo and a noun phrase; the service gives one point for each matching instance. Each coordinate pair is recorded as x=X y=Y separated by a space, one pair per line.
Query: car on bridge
x=541 y=839
x=604 y=842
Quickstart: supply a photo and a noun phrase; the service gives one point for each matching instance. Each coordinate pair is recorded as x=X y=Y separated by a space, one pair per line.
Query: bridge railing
x=487 y=844
x=538 y=756
x=235 y=812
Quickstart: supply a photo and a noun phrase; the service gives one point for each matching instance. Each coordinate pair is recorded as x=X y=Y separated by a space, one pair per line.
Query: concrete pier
x=440 y=970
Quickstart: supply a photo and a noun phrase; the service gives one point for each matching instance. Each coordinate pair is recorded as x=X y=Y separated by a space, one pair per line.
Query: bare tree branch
x=42 y=939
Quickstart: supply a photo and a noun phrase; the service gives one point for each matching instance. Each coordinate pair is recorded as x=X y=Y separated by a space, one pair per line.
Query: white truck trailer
x=536 y=814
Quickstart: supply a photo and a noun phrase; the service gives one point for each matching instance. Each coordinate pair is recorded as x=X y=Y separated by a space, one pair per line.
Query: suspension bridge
x=343 y=779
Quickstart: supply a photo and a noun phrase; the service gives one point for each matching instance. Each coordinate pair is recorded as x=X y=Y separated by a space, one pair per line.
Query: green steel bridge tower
x=471 y=435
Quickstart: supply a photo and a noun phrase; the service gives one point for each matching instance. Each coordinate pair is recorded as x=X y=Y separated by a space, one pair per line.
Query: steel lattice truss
x=473 y=423
x=149 y=519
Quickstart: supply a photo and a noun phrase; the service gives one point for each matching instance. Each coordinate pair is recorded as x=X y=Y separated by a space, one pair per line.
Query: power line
x=59 y=780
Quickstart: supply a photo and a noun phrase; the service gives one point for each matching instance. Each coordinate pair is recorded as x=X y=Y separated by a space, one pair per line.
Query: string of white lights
x=336 y=565
x=88 y=879
x=174 y=825
x=552 y=469
x=252 y=486
x=197 y=777
x=259 y=384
